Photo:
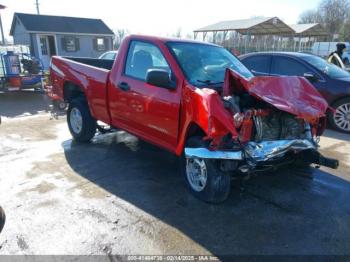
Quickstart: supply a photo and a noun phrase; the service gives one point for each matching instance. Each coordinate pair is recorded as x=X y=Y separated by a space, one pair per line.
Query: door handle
x=124 y=86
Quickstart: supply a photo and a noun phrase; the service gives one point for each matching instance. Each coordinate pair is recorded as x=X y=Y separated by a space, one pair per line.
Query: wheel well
x=338 y=99
x=194 y=130
x=72 y=91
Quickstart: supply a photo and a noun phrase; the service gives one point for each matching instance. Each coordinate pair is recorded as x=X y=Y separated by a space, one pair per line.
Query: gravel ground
x=119 y=195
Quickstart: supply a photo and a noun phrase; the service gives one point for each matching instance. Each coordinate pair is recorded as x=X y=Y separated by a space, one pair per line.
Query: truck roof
x=167 y=39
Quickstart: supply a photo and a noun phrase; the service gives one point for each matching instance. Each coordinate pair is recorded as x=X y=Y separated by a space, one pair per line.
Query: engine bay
x=273 y=108
x=266 y=123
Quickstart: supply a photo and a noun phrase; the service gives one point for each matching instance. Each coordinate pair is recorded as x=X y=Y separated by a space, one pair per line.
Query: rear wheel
x=203 y=176
x=81 y=124
x=340 y=119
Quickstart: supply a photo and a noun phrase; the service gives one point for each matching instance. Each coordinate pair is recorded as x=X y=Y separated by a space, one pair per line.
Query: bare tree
x=178 y=33
x=310 y=16
x=344 y=33
x=332 y=14
x=189 y=36
x=120 y=34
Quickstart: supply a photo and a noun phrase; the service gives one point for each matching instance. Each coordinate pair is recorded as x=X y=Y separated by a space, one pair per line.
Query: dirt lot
x=122 y=196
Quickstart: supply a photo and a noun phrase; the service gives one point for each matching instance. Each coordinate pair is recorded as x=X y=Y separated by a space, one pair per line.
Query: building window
x=100 y=44
x=70 y=44
x=43 y=45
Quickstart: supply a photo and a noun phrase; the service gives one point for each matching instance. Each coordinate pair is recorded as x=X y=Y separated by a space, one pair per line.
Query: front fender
x=205 y=109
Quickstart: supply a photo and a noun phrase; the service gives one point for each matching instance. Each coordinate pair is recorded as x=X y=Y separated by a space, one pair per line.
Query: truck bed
x=90 y=75
x=100 y=63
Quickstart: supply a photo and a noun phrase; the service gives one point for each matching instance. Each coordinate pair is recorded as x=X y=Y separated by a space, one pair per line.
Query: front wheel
x=204 y=177
x=81 y=124
x=340 y=119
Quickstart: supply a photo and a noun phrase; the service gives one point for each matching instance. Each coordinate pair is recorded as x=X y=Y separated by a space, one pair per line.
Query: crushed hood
x=291 y=94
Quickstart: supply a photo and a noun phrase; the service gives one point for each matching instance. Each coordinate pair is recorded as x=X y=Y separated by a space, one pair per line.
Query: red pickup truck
x=198 y=101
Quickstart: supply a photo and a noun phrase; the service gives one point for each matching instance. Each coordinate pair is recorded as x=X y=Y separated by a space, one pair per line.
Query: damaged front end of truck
x=262 y=123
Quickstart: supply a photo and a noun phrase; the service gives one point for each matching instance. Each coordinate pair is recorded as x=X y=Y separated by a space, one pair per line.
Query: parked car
x=198 y=101
x=331 y=81
x=346 y=57
x=110 y=55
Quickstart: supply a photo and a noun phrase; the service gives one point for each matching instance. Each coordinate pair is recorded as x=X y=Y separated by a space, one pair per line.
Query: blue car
x=331 y=81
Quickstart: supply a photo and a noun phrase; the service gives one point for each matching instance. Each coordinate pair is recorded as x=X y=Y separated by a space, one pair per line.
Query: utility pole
x=2 y=29
x=37 y=7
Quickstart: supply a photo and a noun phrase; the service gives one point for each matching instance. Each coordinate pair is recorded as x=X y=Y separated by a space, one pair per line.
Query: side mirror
x=311 y=77
x=160 y=78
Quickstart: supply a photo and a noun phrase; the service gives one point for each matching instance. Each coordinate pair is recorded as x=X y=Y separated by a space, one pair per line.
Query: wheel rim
x=76 y=120
x=62 y=105
x=196 y=171
x=342 y=117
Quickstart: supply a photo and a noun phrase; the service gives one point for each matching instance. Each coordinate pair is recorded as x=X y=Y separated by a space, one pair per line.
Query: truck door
x=148 y=111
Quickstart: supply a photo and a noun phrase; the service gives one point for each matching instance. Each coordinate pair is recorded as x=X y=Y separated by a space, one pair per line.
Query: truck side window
x=143 y=56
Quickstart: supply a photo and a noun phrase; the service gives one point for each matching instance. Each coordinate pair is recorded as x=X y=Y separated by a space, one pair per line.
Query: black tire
x=88 y=128
x=331 y=116
x=2 y=219
x=218 y=185
x=59 y=105
x=300 y=164
x=62 y=105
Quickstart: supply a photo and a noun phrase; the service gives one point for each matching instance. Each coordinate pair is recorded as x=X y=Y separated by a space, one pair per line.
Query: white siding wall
x=20 y=35
x=86 y=44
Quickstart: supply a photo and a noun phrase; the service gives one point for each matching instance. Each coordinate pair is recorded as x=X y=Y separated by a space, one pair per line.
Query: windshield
x=329 y=69
x=206 y=64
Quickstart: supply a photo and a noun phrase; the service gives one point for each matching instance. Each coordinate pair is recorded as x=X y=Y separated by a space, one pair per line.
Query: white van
x=323 y=49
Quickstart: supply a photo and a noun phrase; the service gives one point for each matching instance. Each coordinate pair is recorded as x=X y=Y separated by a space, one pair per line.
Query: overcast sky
x=160 y=17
